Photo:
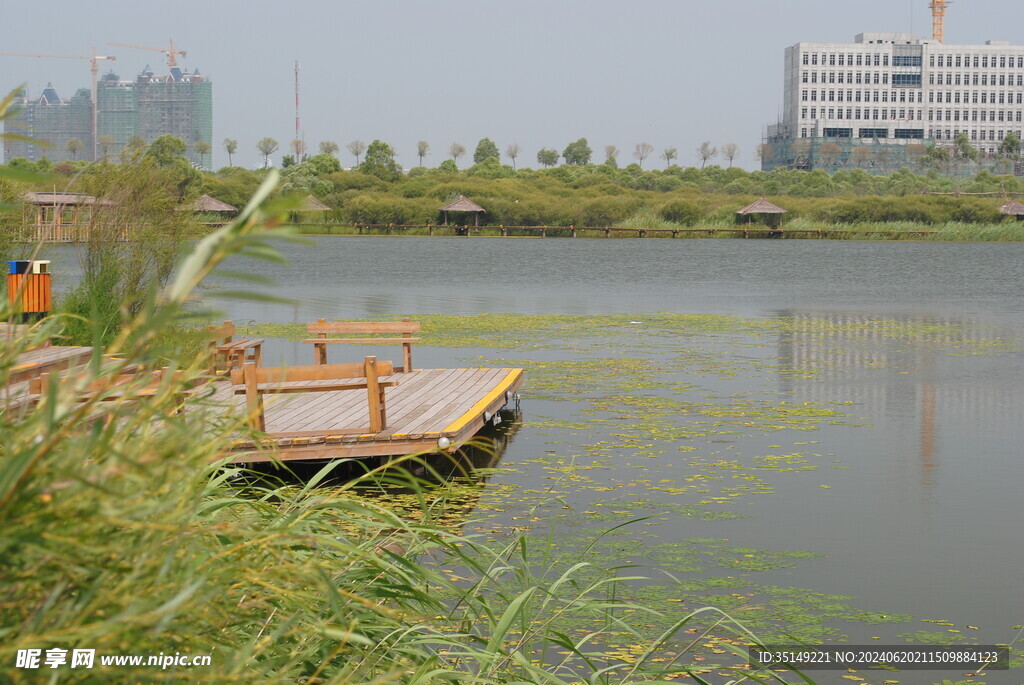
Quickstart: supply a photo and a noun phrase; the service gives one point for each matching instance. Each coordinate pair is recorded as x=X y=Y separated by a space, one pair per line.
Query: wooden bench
x=117 y=387
x=369 y=332
x=321 y=378
x=231 y=353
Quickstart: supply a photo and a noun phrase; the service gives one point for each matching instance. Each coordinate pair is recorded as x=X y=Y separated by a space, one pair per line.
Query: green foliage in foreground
x=125 y=536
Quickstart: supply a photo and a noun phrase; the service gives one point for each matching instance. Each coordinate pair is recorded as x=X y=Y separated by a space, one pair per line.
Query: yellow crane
x=938 y=18
x=95 y=69
x=171 y=52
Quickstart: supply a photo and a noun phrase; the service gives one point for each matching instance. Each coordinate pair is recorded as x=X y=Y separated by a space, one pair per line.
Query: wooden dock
x=425 y=407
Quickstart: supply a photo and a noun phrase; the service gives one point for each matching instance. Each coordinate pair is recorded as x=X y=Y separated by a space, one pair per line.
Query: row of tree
x=577 y=153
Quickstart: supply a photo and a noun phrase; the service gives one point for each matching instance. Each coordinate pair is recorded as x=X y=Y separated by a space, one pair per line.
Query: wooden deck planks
x=420 y=408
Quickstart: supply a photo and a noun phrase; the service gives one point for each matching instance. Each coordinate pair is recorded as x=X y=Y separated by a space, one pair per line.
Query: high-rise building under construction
x=45 y=126
x=178 y=103
x=878 y=103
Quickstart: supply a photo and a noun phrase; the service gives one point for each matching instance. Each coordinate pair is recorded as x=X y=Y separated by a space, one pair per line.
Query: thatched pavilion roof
x=762 y=206
x=311 y=204
x=212 y=204
x=62 y=199
x=1012 y=208
x=461 y=204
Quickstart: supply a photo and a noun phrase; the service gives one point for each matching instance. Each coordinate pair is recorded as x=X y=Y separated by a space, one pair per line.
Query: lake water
x=910 y=499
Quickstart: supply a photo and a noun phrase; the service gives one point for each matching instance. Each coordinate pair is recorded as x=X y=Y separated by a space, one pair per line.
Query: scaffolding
x=876 y=157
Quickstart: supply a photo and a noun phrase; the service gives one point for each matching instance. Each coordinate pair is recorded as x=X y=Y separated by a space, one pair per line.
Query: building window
x=841 y=77
x=814 y=58
x=877 y=75
x=831 y=77
x=885 y=60
x=803 y=133
x=957 y=80
x=984 y=115
x=814 y=112
x=803 y=95
x=814 y=77
x=831 y=114
x=842 y=62
x=885 y=96
x=874 y=96
x=1002 y=79
x=1002 y=61
x=948 y=97
x=974 y=134
x=931 y=96
x=975 y=61
x=805 y=58
x=974 y=97
x=974 y=79
x=931 y=79
x=956 y=98
x=832 y=60
x=984 y=61
x=958 y=60
x=1018 y=116
x=949 y=60
x=1002 y=97
x=931 y=60
x=949 y=79
x=877 y=59
x=1020 y=79
x=840 y=96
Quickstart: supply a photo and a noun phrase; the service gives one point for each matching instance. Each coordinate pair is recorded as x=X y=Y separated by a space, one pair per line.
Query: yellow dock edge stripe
x=481 y=406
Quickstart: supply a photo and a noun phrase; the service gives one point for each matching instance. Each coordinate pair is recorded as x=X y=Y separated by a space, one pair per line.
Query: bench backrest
x=221 y=334
x=323 y=328
x=325 y=372
x=369 y=370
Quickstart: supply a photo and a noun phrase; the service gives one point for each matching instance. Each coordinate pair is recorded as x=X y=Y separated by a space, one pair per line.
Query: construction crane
x=94 y=59
x=171 y=52
x=938 y=18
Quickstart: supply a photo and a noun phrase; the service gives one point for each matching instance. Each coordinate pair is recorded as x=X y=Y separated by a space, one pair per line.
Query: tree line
x=577 y=153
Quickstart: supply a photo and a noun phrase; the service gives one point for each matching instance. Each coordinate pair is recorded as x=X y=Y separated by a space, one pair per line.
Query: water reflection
x=933 y=381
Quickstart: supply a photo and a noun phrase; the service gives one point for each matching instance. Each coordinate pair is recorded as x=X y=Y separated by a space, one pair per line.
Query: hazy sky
x=538 y=73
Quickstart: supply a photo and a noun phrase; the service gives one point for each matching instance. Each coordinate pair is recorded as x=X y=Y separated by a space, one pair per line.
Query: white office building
x=895 y=89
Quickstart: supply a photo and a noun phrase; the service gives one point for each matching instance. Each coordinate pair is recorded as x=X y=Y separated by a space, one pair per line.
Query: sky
x=538 y=73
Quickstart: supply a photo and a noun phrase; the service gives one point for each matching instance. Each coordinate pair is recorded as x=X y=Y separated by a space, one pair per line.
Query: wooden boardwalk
x=426 y=406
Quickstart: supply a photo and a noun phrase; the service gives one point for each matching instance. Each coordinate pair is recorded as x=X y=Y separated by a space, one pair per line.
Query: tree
x=730 y=151
x=611 y=156
x=266 y=147
x=763 y=153
x=669 y=154
x=512 y=151
x=829 y=154
x=230 y=147
x=298 y=149
x=642 y=152
x=380 y=162
x=356 y=147
x=1010 y=146
x=963 y=149
x=74 y=146
x=485 y=149
x=202 y=149
x=547 y=157
x=106 y=142
x=166 y=149
x=456 y=150
x=329 y=147
x=705 y=152
x=422 y=150
x=578 y=153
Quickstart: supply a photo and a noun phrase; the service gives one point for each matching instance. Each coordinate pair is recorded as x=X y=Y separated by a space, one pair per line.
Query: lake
x=851 y=414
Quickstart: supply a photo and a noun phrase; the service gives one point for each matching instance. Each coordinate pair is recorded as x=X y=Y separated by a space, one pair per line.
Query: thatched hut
x=311 y=204
x=1013 y=208
x=767 y=213
x=211 y=205
x=461 y=204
